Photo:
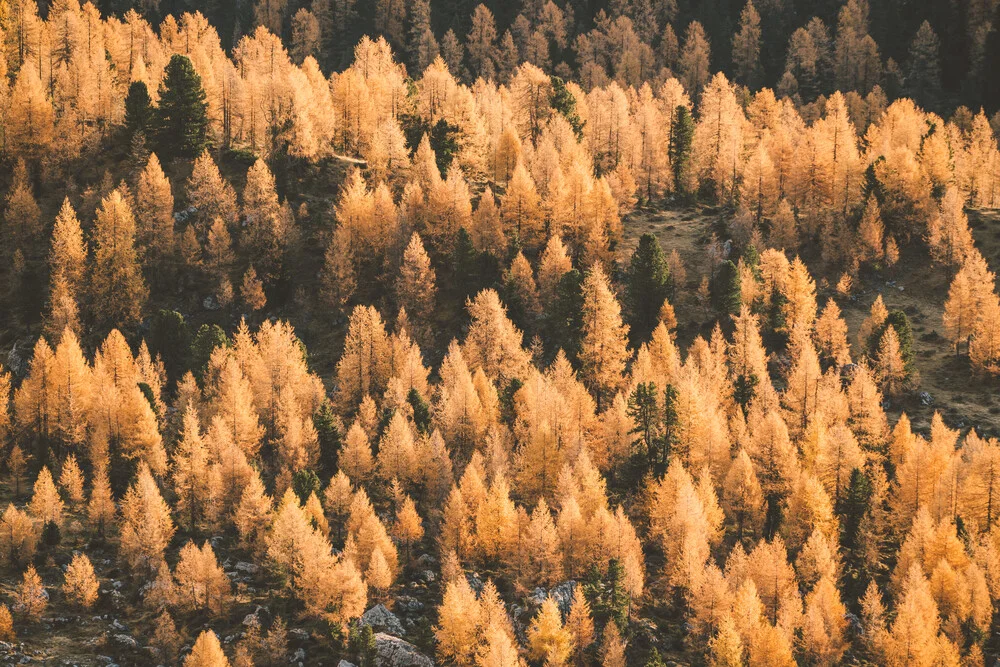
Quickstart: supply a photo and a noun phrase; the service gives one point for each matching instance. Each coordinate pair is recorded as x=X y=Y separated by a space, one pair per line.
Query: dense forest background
x=960 y=32
x=517 y=333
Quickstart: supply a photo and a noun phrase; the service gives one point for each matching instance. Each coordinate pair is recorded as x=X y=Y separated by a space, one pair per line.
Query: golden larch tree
x=68 y=253
x=201 y=582
x=30 y=598
x=603 y=350
x=147 y=526
x=415 y=286
x=80 y=585
x=206 y=652
x=548 y=640
x=363 y=368
x=118 y=288
x=154 y=209
x=46 y=505
x=458 y=620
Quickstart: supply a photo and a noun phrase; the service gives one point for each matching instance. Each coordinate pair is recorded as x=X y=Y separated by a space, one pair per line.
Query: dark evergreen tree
x=898 y=320
x=681 y=137
x=726 y=289
x=644 y=411
x=923 y=76
x=566 y=321
x=170 y=339
x=646 y=287
x=182 y=115
x=329 y=430
x=421 y=411
x=209 y=337
x=138 y=109
x=304 y=483
x=852 y=509
x=465 y=265
x=564 y=102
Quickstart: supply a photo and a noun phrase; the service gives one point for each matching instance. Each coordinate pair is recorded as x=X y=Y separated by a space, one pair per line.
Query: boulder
x=394 y=652
x=382 y=620
x=563 y=595
x=344 y=663
x=247 y=568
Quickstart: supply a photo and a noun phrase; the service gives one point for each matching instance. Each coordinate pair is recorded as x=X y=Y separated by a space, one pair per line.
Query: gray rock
x=407 y=604
x=563 y=594
x=426 y=560
x=344 y=663
x=247 y=568
x=382 y=620
x=126 y=641
x=299 y=634
x=926 y=399
x=211 y=303
x=394 y=652
x=299 y=656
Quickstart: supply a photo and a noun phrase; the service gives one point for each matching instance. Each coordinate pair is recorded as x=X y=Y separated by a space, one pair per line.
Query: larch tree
x=30 y=116
x=68 y=252
x=603 y=351
x=746 y=47
x=695 y=59
x=18 y=537
x=305 y=35
x=493 y=342
x=831 y=335
x=363 y=368
x=118 y=288
x=201 y=582
x=30 y=597
x=206 y=652
x=458 y=620
x=548 y=640
x=71 y=480
x=889 y=363
x=416 y=285
x=580 y=624
x=154 y=209
x=80 y=585
x=264 y=232
x=984 y=348
x=520 y=209
x=408 y=528
x=553 y=265
x=209 y=193
x=923 y=74
x=101 y=508
x=252 y=516
x=948 y=233
x=612 y=646
x=147 y=527
x=46 y=505
x=192 y=475
x=481 y=43
x=969 y=290
x=742 y=498
x=871 y=233
x=725 y=649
